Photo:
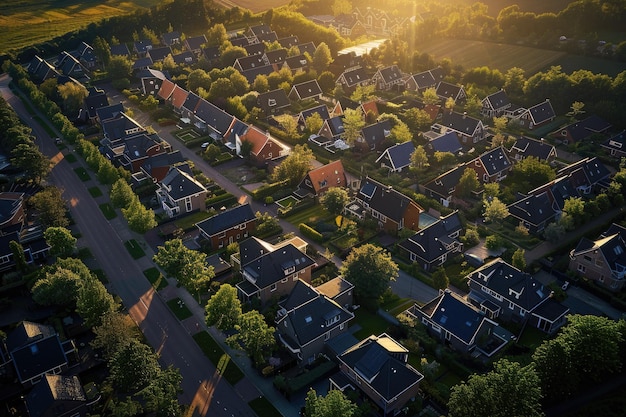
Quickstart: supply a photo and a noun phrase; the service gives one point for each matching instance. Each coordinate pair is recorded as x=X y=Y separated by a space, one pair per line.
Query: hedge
x=268 y=189
x=225 y=199
x=310 y=232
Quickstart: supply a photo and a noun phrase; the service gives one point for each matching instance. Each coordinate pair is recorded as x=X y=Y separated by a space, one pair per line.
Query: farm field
x=472 y=54
x=255 y=6
x=28 y=22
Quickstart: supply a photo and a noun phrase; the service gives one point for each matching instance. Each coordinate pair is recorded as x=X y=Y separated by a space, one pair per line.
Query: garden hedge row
x=308 y=231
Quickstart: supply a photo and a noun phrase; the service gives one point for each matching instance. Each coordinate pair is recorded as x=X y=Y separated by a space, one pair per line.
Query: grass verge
x=371 y=323
x=71 y=158
x=179 y=308
x=82 y=174
x=134 y=249
x=95 y=192
x=220 y=359
x=108 y=211
x=155 y=278
x=263 y=408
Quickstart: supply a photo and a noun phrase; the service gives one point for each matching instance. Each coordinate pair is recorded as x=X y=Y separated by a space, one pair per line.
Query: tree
x=94 y=302
x=508 y=390
x=519 y=259
x=139 y=218
x=557 y=373
x=495 y=210
x=353 y=123
x=576 y=110
x=289 y=124
x=50 y=205
x=514 y=80
x=186 y=265
x=216 y=35
x=28 y=157
x=419 y=159
x=230 y=54
x=133 y=366
x=121 y=194
x=417 y=119
x=58 y=287
x=115 y=330
x=363 y=93
x=119 y=67
x=335 y=404
x=295 y=166
x=370 y=269
x=468 y=183
x=161 y=394
x=221 y=88
x=240 y=83
x=444 y=159
x=335 y=200
x=198 y=78
x=429 y=96
x=531 y=173
x=18 y=256
x=102 y=50
x=322 y=58
x=326 y=80
x=440 y=279
x=73 y=95
x=314 y=123
x=223 y=309
x=450 y=103
x=573 y=213
x=554 y=232
x=491 y=189
x=61 y=241
x=400 y=133
x=253 y=335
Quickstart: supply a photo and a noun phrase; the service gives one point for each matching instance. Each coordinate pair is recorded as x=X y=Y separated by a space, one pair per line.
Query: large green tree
x=94 y=302
x=495 y=210
x=334 y=404
x=353 y=123
x=335 y=200
x=28 y=157
x=121 y=194
x=322 y=58
x=50 y=205
x=468 y=183
x=223 y=310
x=140 y=219
x=188 y=266
x=116 y=330
x=61 y=241
x=509 y=390
x=57 y=287
x=133 y=367
x=253 y=335
x=370 y=269
x=295 y=166
x=161 y=394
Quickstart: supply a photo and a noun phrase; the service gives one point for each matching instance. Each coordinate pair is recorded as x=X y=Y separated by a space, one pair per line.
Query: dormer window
x=271 y=102
x=332 y=320
x=290 y=270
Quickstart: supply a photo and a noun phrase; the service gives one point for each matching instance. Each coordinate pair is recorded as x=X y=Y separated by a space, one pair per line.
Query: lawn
x=371 y=323
x=70 y=157
x=263 y=408
x=186 y=135
x=287 y=201
x=179 y=308
x=108 y=211
x=82 y=174
x=219 y=358
x=157 y=279
x=502 y=56
x=29 y=22
x=189 y=221
x=311 y=215
x=134 y=249
x=95 y=192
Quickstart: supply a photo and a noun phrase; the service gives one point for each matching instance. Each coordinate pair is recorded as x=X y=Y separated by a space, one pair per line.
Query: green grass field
x=157 y=279
x=472 y=54
x=180 y=310
x=28 y=22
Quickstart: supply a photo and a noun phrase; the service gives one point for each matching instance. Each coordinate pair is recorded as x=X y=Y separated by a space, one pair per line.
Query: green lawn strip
x=180 y=309
x=82 y=174
x=155 y=277
x=311 y=215
x=188 y=222
x=371 y=324
x=263 y=408
x=219 y=358
x=108 y=211
x=95 y=192
x=71 y=158
x=134 y=249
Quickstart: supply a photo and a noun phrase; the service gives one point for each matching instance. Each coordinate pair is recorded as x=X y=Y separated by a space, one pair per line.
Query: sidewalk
x=253 y=385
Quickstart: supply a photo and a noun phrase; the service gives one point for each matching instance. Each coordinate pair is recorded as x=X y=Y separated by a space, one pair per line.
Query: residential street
x=202 y=386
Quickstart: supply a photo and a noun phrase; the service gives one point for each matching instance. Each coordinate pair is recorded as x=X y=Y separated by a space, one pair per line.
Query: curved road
x=202 y=387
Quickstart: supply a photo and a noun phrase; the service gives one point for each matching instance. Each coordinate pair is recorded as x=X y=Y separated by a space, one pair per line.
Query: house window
x=341 y=326
x=284 y=280
x=242 y=226
x=273 y=287
x=188 y=206
x=436 y=328
x=327 y=336
x=587 y=258
x=485 y=178
x=511 y=305
x=522 y=312
x=238 y=236
x=582 y=268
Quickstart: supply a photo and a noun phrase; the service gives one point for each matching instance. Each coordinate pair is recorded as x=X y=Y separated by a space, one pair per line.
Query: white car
x=205 y=145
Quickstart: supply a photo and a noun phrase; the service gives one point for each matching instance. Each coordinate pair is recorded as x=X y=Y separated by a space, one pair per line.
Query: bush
x=310 y=232
x=493 y=242
x=471 y=238
x=121 y=84
x=268 y=190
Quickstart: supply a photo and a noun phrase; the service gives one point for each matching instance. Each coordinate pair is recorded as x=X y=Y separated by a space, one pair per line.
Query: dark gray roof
x=534 y=209
x=142 y=45
x=462 y=123
x=252 y=73
x=583 y=129
x=142 y=63
x=308 y=89
x=109 y=112
x=255 y=49
x=116 y=128
x=170 y=38
x=398 y=156
x=613 y=248
x=159 y=54
x=322 y=110
x=251 y=61
x=445 y=184
x=195 y=42
x=532 y=147
x=336 y=125
x=385 y=373
x=295 y=62
x=495 y=161
x=512 y=284
x=270 y=267
x=594 y=170
x=191 y=102
x=448 y=142
x=276 y=56
x=213 y=116
x=384 y=199
x=226 y=220
x=498 y=100
x=288 y=41
x=54 y=388
x=376 y=133
x=448 y=90
x=267 y=37
x=186 y=57
x=390 y=74
x=616 y=229
x=430 y=243
x=95 y=100
x=211 y=52
x=300 y=294
x=307 y=47
x=120 y=50
x=180 y=184
x=456 y=316
x=355 y=76
x=424 y=80
x=617 y=142
x=551 y=310
x=542 y=112
x=272 y=100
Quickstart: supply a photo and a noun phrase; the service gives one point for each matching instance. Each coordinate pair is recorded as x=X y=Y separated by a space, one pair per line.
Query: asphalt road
x=202 y=388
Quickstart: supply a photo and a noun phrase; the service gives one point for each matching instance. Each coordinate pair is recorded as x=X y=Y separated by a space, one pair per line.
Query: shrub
x=268 y=189
x=493 y=242
x=310 y=232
